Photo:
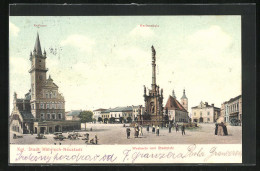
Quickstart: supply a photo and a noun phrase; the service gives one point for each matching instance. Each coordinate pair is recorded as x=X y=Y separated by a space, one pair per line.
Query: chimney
x=206 y=103
x=212 y=104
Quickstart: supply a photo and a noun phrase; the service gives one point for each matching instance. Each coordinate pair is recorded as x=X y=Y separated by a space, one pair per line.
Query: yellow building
x=205 y=113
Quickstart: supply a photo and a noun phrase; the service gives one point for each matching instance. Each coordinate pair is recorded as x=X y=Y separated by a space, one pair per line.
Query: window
x=42 y=115
x=59 y=116
x=208 y=113
x=208 y=119
x=47 y=96
x=48 y=116
x=200 y=114
x=32 y=106
x=47 y=106
x=53 y=106
x=194 y=113
x=50 y=95
x=42 y=106
x=53 y=116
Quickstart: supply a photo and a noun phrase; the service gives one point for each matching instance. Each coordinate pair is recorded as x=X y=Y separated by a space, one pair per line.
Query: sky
x=104 y=61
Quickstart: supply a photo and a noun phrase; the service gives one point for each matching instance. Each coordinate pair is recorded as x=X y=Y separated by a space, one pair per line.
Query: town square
x=132 y=98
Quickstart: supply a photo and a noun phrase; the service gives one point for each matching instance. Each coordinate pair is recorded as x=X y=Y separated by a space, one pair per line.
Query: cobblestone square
x=111 y=134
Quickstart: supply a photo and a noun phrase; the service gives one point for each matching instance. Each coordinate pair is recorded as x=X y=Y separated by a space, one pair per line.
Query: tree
x=129 y=119
x=85 y=116
x=105 y=120
x=100 y=119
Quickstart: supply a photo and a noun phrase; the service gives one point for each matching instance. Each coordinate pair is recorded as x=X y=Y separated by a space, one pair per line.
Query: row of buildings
x=42 y=110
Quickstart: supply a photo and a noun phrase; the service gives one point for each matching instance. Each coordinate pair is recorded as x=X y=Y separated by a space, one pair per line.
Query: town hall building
x=43 y=108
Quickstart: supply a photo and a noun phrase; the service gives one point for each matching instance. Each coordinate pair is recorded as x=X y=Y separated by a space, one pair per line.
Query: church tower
x=38 y=74
x=184 y=100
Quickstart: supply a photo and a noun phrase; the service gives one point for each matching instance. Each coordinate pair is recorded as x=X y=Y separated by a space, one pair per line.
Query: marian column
x=153 y=67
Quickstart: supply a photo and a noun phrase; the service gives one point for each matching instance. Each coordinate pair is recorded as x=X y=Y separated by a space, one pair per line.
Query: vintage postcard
x=125 y=89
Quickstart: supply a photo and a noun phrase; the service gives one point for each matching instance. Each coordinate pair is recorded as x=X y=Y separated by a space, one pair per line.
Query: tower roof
x=37 y=46
x=173 y=94
x=184 y=95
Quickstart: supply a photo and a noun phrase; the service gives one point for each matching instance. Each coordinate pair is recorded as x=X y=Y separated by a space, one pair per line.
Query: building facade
x=97 y=113
x=137 y=111
x=175 y=111
x=153 y=113
x=232 y=110
x=205 y=113
x=47 y=104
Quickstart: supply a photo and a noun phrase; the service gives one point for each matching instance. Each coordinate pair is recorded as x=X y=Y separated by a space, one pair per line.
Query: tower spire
x=153 y=67
x=173 y=94
x=184 y=95
x=37 y=46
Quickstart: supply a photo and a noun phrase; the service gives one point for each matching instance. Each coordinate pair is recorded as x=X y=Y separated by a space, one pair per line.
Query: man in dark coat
x=183 y=129
x=128 y=132
x=170 y=128
x=153 y=129
x=225 y=129
x=177 y=127
x=216 y=129
x=147 y=129
x=157 y=130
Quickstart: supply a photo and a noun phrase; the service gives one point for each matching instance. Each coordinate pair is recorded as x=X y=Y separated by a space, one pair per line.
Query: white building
x=205 y=113
x=97 y=113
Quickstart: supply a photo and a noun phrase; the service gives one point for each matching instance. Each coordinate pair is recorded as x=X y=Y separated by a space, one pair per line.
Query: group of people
x=177 y=128
x=153 y=129
x=221 y=129
x=138 y=130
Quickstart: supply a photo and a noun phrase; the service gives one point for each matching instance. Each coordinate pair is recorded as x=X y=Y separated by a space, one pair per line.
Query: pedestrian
x=170 y=128
x=128 y=132
x=136 y=132
x=157 y=130
x=147 y=129
x=141 y=131
x=153 y=131
x=183 y=129
x=220 y=129
x=225 y=129
x=177 y=128
x=216 y=129
x=96 y=139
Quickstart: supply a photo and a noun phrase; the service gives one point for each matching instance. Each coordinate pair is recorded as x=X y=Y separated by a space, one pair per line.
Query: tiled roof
x=173 y=104
x=100 y=109
x=233 y=99
x=122 y=109
x=26 y=114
